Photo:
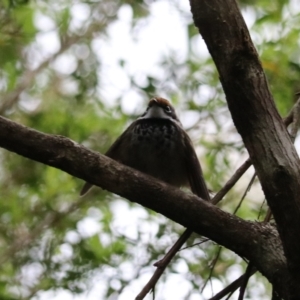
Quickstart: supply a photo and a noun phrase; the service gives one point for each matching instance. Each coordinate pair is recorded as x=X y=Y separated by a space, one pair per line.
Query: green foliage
x=67 y=241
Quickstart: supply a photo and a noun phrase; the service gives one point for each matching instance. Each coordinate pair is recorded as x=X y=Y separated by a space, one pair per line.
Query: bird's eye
x=168 y=109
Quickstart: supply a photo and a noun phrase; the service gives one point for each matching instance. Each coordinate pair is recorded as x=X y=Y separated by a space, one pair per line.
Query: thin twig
x=231 y=288
x=197 y=244
x=245 y=281
x=293 y=118
x=162 y=264
x=229 y=296
x=296 y=120
x=245 y=193
x=232 y=181
x=260 y=209
x=268 y=216
x=212 y=268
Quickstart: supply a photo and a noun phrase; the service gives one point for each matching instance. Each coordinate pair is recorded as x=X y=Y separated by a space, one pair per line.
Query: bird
x=156 y=144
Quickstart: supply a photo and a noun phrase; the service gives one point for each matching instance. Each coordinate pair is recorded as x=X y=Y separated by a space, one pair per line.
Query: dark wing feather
x=114 y=150
x=86 y=187
x=194 y=171
x=114 y=153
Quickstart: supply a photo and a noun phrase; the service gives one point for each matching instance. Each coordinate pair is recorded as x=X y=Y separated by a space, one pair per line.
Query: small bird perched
x=156 y=144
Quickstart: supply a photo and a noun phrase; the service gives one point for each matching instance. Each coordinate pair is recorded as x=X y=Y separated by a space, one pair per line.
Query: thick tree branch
x=257 y=120
x=200 y=216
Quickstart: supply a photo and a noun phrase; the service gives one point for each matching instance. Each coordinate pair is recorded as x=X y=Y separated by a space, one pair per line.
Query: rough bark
x=257 y=120
x=187 y=209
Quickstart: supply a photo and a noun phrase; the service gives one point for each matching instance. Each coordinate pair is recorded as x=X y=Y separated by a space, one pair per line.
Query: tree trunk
x=257 y=120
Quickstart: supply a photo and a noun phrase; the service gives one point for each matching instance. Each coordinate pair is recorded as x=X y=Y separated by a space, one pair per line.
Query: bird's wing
x=113 y=152
x=194 y=171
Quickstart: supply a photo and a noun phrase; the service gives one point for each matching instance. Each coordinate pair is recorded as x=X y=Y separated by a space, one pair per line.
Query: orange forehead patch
x=160 y=101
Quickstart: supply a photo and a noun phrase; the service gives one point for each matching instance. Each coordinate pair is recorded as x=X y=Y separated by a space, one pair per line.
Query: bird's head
x=160 y=108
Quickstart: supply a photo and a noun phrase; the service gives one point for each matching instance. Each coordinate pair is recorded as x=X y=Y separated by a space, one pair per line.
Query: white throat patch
x=156 y=112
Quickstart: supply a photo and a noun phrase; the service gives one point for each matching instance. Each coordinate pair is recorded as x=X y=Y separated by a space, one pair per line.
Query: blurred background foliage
x=85 y=70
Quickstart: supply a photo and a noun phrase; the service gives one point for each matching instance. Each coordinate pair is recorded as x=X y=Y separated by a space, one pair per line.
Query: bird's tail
x=85 y=188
